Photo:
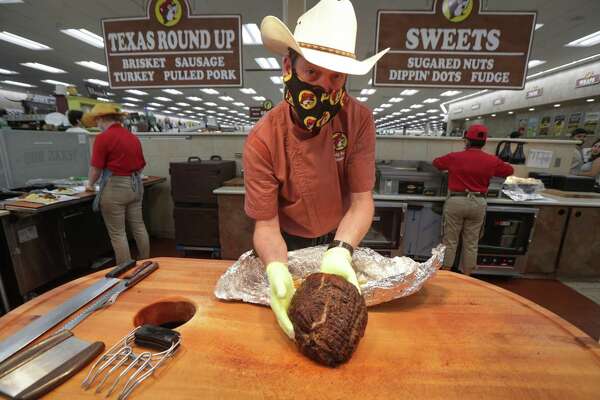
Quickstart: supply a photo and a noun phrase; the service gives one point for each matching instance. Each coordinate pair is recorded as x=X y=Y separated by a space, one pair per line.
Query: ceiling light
x=92 y=65
x=198 y=108
x=431 y=100
x=247 y=91
x=183 y=104
x=223 y=108
x=409 y=92
x=209 y=91
x=378 y=109
x=159 y=98
x=586 y=41
x=188 y=112
x=432 y=111
x=411 y=117
x=103 y=99
x=362 y=99
x=210 y=103
x=129 y=105
x=420 y=114
x=556 y=105
x=416 y=106
x=467 y=119
x=15 y=83
x=450 y=93
x=511 y=112
x=172 y=91
x=386 y=105
x=8 y=72
x=532 y=109
x=167 y=112
x=267 y=63
x=132 y=99
x=232 y=111
x=367 y=92
x=97 y=82
x=278 y=80
x=395 y=99
x=138 y=92
x=23 y=42
x=535 y=63
x=85 y=36
x=251 y=34
x=211 y=111
x=194 y=98
x=590 y=100
x=53 y=82
x=258 y=98
x=239 y=104
x=493 y=115
x=174 y=108
x=44 y=67
x=226 y=98
x=155 y=104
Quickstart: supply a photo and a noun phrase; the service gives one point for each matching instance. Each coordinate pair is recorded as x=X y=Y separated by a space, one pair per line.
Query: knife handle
x=141 y=274
x=121 y=268
x=62 y=373
x=29 y=354
x=136 y=270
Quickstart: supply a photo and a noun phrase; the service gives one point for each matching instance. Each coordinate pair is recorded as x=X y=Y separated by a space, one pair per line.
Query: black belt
x=465 y=194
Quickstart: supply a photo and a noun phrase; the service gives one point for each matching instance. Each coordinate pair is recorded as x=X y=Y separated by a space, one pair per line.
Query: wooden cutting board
x=457 y=338
x=579 y=195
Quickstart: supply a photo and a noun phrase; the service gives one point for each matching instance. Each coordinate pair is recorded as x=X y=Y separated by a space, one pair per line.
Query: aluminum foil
x=381 y=279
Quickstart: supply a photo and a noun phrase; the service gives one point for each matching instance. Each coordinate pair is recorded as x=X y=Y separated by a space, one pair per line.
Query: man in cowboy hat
x=118 y=160
x=309 y=164
x=469 y=174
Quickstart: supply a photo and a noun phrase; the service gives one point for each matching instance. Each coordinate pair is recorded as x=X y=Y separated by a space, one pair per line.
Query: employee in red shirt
x=117 y=160
x=469 y=174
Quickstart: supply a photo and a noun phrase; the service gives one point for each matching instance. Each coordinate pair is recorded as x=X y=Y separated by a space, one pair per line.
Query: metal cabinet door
x=544 y=248
x=580 y=253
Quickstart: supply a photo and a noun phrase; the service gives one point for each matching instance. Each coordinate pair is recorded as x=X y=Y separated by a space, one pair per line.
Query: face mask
x=313 y=105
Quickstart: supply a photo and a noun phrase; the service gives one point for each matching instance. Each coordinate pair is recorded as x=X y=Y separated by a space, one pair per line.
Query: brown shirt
x=306 y=179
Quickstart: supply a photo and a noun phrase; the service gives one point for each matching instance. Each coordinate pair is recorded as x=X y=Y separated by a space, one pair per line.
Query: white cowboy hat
x=325 y=36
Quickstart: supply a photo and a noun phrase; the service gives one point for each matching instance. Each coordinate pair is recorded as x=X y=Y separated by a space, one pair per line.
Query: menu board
x=545 y=125
x=169 y=47
x=591 y=121
x=455 y=44
x=574 y=120
x=558 y=125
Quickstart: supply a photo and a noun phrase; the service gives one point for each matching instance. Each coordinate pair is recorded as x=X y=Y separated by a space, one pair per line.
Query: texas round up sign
x=170 y=47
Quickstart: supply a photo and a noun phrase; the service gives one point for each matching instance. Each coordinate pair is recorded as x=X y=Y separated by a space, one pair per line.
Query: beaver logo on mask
x=314 y=106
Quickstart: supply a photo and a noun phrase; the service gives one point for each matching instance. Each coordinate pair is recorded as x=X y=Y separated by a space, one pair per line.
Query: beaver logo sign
x=455 y=44
x=169 y=47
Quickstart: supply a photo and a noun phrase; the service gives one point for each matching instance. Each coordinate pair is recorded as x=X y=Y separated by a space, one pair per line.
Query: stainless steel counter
x=552 y=200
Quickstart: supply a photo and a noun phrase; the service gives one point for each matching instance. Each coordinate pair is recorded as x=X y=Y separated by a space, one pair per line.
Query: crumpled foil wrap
x=381 y=279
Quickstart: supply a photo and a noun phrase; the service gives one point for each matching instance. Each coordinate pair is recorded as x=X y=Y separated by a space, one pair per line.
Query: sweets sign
x=455 y=44
x=171 y=48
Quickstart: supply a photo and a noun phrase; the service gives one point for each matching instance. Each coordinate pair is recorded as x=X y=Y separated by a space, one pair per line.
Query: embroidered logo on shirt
x=307 y=99
x=340 y=143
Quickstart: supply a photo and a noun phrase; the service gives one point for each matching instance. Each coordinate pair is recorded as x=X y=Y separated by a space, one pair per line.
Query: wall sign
x=169 y=47
x=455 y=44
x=537 y=92
x=498 y=101
x=476 y=106
x=589 y=79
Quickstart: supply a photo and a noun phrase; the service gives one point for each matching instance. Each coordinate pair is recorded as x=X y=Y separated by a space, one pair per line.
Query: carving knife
x=39 y=326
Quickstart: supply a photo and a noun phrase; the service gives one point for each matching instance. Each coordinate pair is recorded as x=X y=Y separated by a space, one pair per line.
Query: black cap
x=579 y=131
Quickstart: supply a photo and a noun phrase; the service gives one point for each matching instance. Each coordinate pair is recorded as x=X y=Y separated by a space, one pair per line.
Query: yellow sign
x=168 y=12
x=457 y=10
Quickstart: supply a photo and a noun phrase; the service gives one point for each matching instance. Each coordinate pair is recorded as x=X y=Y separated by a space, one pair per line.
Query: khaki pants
x=466 y=215
x=119 y=203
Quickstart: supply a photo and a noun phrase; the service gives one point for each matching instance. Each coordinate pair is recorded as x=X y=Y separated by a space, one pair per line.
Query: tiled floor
x=576 y=302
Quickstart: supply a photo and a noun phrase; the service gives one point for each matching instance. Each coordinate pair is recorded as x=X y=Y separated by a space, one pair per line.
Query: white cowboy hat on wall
x=325 y=36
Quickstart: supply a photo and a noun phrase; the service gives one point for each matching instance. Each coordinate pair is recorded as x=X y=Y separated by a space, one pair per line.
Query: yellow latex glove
x=282 y=290
x=338 y=261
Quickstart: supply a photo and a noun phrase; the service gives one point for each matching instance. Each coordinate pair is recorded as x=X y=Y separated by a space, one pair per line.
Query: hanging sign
x=169 y=47
x=455 y=44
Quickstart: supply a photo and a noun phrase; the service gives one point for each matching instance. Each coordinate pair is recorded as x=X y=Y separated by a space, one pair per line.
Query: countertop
x=457 y=338
x=553 y=200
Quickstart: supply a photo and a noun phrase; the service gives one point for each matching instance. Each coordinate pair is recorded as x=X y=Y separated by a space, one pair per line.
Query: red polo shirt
x=118 y=150
x=471 y=169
